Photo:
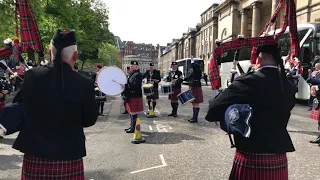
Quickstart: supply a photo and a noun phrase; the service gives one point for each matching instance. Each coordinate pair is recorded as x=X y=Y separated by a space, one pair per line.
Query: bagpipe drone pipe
x=242 y=126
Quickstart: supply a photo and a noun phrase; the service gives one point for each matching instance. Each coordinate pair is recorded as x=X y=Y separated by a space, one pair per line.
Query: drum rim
x=189 y=101
x=96 y=82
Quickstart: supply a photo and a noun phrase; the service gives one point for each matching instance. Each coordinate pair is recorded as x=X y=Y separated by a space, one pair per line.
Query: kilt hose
x=135 y=105
x=155 y=95
x=175 y=92
x=315 y=115
x=2 y=105
x=34 y=168
x=198 y=95
x=258 y=166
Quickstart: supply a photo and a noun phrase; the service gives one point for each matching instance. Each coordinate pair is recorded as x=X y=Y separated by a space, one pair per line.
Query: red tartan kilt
x=34 y=168
x=2 y=105
x=254 y=166
x=315 y=115
x=173 y=96
x=155 y=94
x=198 y=95
x=135 y=105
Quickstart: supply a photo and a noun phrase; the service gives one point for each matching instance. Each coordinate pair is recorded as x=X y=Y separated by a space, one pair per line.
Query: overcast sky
x=154 y=21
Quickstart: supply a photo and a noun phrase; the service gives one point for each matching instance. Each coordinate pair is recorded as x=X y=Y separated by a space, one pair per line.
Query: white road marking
x=164 y=164
x=150 y=127
x=162 y=126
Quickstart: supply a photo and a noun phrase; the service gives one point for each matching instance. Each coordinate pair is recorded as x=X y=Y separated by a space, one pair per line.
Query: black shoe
x=130 y=130
x=171 y=114
x=126 y=112
x=193 y=121
x=316 y=141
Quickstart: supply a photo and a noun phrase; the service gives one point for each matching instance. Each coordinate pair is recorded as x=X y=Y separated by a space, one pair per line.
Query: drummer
x=100 y=104
x=153 y=77
x=133 y=91
x=122 y=94
x=176 y=78
x=194 y=81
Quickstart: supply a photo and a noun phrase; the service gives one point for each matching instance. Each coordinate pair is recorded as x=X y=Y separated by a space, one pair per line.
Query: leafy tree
x=88 y=17
x=108 y=55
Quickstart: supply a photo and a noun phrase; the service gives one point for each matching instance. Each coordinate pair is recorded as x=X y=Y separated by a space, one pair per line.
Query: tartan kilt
x=315 y=115
x=2 y=105
x=155 y=94
x=34 y=168
x=175 y=92
x=198 y=95
x=254 y=166
x=135 y=105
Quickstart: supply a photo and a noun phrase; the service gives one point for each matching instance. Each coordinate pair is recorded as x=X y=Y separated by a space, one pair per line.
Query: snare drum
x=148 y=89
x=186 y=97
x=166 y=89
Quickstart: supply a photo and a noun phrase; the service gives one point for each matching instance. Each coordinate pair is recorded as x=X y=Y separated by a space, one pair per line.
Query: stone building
x=225 y=21
x=143 y=61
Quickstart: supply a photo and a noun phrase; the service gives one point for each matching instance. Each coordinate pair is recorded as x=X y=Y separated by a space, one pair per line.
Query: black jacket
x=133 y=87
x=194 y=78
x=271 y=110
x=175 y=75
x=55 y=118
x=155 y=75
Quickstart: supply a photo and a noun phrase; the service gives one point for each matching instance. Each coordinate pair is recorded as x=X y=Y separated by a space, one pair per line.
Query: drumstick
x=115 y=81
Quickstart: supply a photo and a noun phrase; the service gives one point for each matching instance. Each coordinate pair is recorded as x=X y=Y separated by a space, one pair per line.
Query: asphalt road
x=174 y=148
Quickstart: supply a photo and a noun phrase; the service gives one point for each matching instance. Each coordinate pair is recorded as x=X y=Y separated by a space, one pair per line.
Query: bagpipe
x=289 y=20
x=238 y=116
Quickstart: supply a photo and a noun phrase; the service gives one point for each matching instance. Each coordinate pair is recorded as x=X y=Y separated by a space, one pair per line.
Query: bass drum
x=109 y=80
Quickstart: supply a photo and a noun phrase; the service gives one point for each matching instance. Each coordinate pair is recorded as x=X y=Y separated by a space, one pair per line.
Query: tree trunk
x=82 y=64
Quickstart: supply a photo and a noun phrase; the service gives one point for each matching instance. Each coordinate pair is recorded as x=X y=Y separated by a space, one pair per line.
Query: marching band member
x=4 y=90
x=124 y=101
x=153 y=76
x=315 y=114
x=272 y=97
x=194 y=81
x=57 y=103
x=100 y=103
x=176 y=78
x=133 y=94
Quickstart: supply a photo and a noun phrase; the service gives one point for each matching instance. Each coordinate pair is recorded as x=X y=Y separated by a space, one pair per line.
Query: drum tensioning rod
x=115 y=81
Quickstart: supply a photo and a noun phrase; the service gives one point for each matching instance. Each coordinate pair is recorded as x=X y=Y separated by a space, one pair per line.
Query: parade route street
x=174 y=150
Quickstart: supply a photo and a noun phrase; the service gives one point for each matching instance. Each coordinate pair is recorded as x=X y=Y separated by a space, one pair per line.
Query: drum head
x=109 y=80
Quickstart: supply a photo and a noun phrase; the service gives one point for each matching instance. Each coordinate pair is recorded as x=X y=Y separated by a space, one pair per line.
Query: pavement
x=174 y=148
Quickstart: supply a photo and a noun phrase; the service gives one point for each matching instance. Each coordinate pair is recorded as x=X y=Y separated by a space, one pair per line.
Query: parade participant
x=313 y=79
x=272 y=97
x=194 y=81
x=153 y=77
x=57 y=103
x=133 y=94
x=176 y=78
x=122 y=94
x=315 y=114
x=100 y=102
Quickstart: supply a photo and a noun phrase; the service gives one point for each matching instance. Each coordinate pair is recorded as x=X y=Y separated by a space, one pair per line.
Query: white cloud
x=152 y=21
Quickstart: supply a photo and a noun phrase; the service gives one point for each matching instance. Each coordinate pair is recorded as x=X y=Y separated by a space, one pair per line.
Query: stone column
x=215 y=31
x=256 y=18
x=244 y=22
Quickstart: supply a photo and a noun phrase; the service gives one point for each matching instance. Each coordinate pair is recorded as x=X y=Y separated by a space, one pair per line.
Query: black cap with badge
x=134 y=63
x=174 y=63
x=151 y=64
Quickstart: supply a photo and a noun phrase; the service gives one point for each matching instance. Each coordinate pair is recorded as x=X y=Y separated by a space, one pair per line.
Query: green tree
x=108 y=55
